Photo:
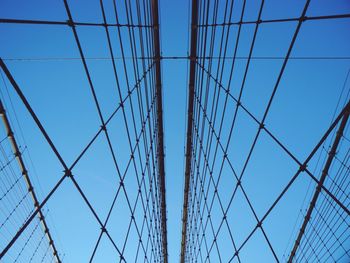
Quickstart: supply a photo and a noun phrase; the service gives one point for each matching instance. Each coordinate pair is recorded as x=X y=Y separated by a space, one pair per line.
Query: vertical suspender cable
x=160 y=139
x=193 y=55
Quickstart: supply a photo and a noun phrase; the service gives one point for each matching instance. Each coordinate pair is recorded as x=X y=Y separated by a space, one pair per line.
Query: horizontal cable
x=66 y=23
x=43 y=59
x=266 y=21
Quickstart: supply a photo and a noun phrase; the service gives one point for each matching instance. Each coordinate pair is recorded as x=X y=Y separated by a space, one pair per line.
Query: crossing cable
x=219 y=133
x=85 y=149
x=153 y=177
x=99 y=109
x=279 y=143
x=11 y=186
x=120 y=185
x=101 y=119
x=206 y=99
x=113 y=114
x=289 y=153
x=36 y=226
x=204 y=46
x=155 y=197
x=327 y=214
x=332 y=227
x=207 y=91
x=67 y=171
x=71 y=168
x=215 y=185
x=211 y=118
x=194 y=217
x=126 y=124
x=202 y=77
x=210 y=131
x=301 y=169
x=28 y=206
x=321 y=182
x=210 y=122
x=25 y=175
x=304 y=168
x=209 y=208
x=220 y=129
x=245 y=74
x=132 y=39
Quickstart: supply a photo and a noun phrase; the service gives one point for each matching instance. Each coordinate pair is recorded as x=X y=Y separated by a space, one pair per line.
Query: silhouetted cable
x=54 y=59
x=66 y=23
x=189 y=134
x=267 y=21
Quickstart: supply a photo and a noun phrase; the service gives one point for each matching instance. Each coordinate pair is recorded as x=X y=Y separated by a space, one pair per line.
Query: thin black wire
x=170 y=57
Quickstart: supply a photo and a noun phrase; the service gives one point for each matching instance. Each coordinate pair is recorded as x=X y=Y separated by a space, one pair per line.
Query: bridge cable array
x=144 y=132
x=215 y=109
x=324 y=232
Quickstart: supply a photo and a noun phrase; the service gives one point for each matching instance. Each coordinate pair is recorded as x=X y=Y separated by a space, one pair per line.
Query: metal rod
x=26 y=178
x=160 y=133
x=189 y=134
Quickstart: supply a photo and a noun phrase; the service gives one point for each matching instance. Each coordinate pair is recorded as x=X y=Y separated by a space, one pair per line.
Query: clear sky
x=59 y=93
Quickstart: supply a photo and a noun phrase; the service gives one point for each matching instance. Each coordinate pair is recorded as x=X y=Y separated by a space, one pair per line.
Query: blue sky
x=58 y=91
